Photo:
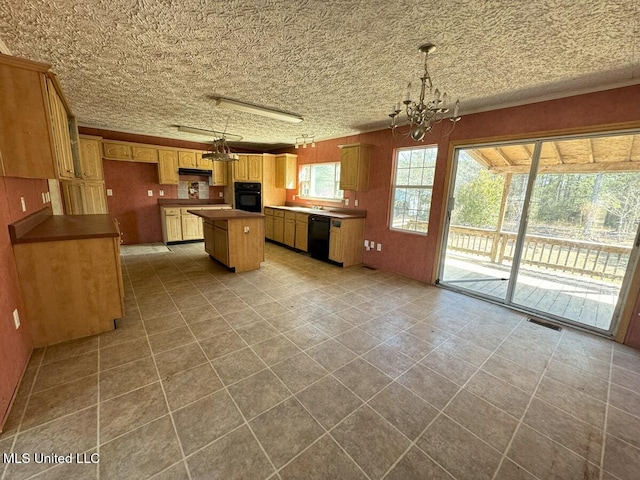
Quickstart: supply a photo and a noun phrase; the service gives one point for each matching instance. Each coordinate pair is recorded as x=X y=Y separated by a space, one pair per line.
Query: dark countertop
x=322 y=212
x=195 y=205
x=225 y=214
x=43 y=227
x=174 y=202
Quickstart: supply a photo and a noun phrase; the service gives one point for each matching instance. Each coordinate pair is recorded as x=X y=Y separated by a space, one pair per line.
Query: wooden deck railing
x=589 y=259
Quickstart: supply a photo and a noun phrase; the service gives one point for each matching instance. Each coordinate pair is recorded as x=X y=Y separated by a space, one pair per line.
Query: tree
x=621 y=198
x=478 y=201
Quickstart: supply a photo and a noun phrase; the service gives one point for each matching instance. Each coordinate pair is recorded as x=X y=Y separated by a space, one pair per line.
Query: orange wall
x=415 y=255
x=15 y=345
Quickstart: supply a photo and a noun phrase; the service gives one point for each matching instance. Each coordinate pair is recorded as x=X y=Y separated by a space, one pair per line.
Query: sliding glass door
x=548 y=226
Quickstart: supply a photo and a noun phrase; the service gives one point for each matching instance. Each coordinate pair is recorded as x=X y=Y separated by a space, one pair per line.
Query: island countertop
x=225 y=214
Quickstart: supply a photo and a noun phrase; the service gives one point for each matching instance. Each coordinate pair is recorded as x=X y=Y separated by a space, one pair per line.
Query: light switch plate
x=44 y=198
x=221 y=194
x=161 y=193
x=150 y=193
x=48 y=195
x=372 y=244
x=379 y=247
x=109 y=192
x=346 y=202
x=366 y=243
x=16 y=318
x=23 y=204
x=355 y=202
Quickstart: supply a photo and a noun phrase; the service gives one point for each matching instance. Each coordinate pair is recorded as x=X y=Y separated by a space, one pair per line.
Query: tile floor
x=304 y=370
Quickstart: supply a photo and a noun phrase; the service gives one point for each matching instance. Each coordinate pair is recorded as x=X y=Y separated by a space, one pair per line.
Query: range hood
x=195 y=171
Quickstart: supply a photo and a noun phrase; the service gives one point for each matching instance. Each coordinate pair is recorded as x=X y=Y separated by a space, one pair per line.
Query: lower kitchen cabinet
x=278 y=226
x=221 y=242
x=289 y=238
x=346 y=240
x=191 y=226
x=268 y=223
x=302 y=231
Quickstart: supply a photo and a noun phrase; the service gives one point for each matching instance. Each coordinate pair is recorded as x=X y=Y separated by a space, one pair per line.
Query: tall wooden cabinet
x=26 y=148
x=60 y=119
x=167 y=167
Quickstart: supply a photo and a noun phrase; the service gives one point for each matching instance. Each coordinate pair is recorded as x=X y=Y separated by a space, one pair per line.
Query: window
x=320 y=180
x=412 y=186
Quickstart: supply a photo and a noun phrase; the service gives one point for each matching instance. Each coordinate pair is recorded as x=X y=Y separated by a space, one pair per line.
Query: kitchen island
x=235 y=238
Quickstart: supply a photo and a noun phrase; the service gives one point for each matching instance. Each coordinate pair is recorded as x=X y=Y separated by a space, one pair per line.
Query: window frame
x=336 y=190
x=395 y=186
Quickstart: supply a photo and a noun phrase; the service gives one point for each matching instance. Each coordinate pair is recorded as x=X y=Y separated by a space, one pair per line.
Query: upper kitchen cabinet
x=219 y=174
x=248 y=168
x=60 y=120
x=26 y=148
x=187 y=159
x=129 y=152
x=286 y=171
x=90 y=158
x=354 y=167
x=168 y=167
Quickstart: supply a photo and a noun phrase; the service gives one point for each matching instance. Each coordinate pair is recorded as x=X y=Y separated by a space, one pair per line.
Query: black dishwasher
x=318 y=243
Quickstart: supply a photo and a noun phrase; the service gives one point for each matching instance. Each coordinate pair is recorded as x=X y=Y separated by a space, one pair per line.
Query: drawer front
x=185 y=211
x=172 y=211
x=220 y=224
x=278 y=213
x=268 y=211
x=302 y=217
x=289 y=215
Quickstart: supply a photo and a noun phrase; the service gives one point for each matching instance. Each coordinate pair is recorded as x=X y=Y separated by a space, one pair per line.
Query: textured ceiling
x=145 y=65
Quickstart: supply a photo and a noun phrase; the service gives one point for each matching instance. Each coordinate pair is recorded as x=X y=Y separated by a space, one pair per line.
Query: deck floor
x=586 y=301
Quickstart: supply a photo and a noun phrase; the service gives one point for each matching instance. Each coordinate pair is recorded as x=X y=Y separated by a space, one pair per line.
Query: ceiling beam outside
x=633 y=138
x=591 y=159
x=503 y=156
x=556 y=149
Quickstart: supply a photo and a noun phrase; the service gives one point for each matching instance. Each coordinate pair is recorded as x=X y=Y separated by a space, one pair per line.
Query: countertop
x=196 y=205
x=324 y=213
x=225 y=214
x=44 y=227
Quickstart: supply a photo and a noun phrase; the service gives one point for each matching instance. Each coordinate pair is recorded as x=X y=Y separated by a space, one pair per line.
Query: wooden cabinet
x=207 y=232
x=289 y=238
x=286 y=171
x=268 y=223
x=144 y=154
x=84 y=197
x=219 y=174
x=191 y=226
x=335 y=244
x=187 y=159
x=90 y=159
x=167 y=167
x=178 y=225
x=116 y=151
x=60 y=133
x=346 y=240
x=302 y=231
x=203 y=163
x=221 y=241
x=278 y=226
x=172 y=225
x=248 y=168
x=354 y=167
x=26 y=148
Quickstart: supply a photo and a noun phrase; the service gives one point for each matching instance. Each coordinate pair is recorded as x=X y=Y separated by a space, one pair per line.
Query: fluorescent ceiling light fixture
x=256 y=110
x=209 y=133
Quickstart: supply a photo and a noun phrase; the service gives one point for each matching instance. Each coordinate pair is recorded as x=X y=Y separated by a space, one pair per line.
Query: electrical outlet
x=346 y=202
x=161 y=193
x=44 y=198
x=355 y=202
x=48 y=197
x=246 y=229
x=221 y=194
x=23 y=204
x=16 y=318
x=109 y=192
x=372 y=244
x=366 y=243
x=150 y=193
x=379 y=247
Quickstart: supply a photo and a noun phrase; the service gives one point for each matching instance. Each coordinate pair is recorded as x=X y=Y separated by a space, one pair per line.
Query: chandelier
x=220 y=151
x=426 y=112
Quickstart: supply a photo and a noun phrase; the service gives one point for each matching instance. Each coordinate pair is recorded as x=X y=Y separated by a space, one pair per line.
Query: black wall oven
x=248 y=196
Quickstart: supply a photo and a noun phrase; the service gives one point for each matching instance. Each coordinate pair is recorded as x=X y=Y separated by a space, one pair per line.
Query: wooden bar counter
x=234 y=237
x=70 y=275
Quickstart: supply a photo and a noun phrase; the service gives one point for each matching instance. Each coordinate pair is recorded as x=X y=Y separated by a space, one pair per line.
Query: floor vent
x=544 y=324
